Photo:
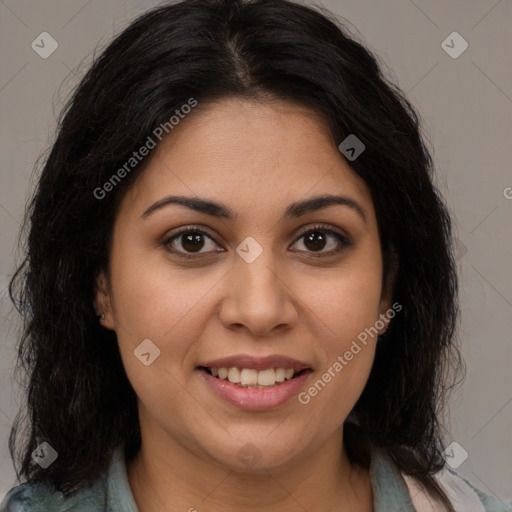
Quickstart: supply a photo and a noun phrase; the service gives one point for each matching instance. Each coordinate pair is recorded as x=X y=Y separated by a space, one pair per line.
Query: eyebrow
x=220 y=210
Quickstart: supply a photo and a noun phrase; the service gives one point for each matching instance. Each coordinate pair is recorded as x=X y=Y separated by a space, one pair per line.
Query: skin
x=257 y=158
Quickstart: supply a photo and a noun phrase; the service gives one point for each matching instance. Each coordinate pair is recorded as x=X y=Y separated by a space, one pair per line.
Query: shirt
x=393 y=491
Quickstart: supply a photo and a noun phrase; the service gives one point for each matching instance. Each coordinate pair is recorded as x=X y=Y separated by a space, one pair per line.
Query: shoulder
x=463 y=494
x=39 y=497
x=490 y=503
x=110 y=491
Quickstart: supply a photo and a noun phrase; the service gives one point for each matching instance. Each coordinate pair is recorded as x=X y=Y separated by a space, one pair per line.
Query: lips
x=244 y=387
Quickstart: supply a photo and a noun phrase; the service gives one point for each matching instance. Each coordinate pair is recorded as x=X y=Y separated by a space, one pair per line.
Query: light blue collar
x=389 y=489
x=119 y=493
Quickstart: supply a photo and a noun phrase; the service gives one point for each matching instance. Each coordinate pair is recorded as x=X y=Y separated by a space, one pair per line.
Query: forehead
x=252 y=155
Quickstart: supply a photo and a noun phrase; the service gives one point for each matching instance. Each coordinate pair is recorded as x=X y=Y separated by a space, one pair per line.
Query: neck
x=178 y=479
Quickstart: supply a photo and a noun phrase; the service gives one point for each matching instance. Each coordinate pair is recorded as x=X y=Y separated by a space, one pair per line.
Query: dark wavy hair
x=79 y=398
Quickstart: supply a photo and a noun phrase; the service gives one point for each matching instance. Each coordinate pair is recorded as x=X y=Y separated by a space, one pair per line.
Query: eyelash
x=343 y=239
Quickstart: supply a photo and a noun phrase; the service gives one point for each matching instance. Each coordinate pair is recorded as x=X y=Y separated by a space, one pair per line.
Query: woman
x=239 y=290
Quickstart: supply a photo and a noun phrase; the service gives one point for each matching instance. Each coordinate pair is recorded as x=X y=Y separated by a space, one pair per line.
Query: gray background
x=466 y=108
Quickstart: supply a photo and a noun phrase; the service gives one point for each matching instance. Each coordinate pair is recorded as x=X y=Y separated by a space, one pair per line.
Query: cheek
x=345 y=307
x=344 y=316
x=153 y=303
x=346 y=301
x=151 y=298
x=169 y=316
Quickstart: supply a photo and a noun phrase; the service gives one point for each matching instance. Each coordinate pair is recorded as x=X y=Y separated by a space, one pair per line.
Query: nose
x=257 y=298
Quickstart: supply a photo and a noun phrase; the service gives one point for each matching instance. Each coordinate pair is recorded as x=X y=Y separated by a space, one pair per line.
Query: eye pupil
x=190 y=241
x=314 y=238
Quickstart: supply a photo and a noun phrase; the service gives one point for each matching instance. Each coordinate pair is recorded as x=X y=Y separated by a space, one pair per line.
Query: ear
x=102 y=300
x=387 y=293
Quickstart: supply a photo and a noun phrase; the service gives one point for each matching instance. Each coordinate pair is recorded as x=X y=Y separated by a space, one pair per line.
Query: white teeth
x=234 y=375
x=280 y=374
x=248 y=377
x=267 y=377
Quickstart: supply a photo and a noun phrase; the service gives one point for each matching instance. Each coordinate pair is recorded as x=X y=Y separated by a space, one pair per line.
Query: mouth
x=255 y=384
x=251 y=378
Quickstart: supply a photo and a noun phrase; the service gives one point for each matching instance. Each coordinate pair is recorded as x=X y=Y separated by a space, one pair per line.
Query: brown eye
x=315 y=240
x=192 y=242
x=189 y=243
x=318 y=238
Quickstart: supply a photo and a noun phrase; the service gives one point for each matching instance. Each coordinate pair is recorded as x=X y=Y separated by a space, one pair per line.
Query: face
x=261 y=280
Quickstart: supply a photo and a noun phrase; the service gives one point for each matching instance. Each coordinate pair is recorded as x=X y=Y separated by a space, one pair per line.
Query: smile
x=250 y=378
x=254 y=396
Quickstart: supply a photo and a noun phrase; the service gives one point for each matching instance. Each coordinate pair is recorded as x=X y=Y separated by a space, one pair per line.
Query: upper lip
x=256 y=363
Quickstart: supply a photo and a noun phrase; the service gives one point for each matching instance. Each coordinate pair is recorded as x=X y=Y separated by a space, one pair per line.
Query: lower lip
x=254 y=399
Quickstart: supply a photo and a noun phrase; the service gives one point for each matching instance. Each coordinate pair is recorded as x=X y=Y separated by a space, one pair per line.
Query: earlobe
x=382 y=323
x=102 y=302
x=386 y=311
